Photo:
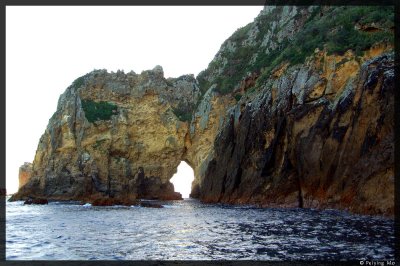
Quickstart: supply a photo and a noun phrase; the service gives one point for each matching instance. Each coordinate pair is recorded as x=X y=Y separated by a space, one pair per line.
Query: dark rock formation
x=38 y=201
x=312 y=124
x=151 y=205
x=333 y=152
x=295 y=110
x=104 y=201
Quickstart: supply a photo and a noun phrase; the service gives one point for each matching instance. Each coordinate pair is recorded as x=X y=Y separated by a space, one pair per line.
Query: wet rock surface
x=335 y=152
x=115 y=134
x=255 y=128
x=39 y=201
x=151 y=205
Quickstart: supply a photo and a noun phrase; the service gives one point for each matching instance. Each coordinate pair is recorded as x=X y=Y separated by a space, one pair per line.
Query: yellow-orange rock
x=25 y=173
x=266 y=123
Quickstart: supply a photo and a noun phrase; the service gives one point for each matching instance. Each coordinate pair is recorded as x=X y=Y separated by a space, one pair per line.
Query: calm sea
x=190 y=230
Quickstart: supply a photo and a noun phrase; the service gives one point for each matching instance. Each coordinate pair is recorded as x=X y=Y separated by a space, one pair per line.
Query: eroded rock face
x=295 y=145
x=313 y=134
x=133 y=149
x=208 y=119
x=25 y=173
x=254 y=126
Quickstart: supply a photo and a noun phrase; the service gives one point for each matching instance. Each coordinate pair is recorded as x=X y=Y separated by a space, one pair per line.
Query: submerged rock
x=103 y=200
x=112 y=202
x=39 y=201
x=150 y=205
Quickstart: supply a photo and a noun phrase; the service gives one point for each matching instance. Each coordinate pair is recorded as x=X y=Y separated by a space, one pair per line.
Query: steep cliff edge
x=313 y=125
x=333 y=150
x=25 y=173
x=295 y=110
x=115 y=134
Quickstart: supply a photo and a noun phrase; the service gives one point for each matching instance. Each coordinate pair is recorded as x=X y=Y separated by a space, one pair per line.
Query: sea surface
x=190 y=230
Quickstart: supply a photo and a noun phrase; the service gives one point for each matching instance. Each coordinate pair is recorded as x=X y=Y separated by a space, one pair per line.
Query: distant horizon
x=60 y=44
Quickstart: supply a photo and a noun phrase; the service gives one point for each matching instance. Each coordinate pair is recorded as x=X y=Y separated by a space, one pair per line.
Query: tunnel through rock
x=183 y=179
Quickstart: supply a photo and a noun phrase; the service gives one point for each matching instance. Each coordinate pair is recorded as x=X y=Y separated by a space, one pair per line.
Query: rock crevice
x=271 y=121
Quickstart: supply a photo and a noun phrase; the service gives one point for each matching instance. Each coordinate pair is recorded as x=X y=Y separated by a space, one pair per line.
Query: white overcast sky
x=49 y=47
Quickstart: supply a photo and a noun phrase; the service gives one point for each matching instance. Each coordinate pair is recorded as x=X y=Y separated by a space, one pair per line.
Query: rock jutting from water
x=25 y=173
x=114 y=134
x=291 y=112
x=36 y=201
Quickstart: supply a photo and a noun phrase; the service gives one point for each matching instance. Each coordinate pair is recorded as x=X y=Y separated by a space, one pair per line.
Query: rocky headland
x=295 y=110
x=25 y=173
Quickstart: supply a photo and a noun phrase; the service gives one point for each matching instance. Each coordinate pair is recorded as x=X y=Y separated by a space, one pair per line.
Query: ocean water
x=190 y=230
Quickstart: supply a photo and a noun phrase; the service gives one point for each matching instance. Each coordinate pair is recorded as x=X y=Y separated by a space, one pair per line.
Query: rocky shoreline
x=98 y=201
x=270 y=122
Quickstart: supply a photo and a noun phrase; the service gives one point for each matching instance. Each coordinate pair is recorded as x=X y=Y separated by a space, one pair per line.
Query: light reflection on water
x=190 y=230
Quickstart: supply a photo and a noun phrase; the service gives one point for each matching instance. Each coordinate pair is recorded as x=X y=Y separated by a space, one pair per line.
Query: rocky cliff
x=296 y=109
x=25 y=173
x=116 y=134
x=314 y=118
x=318 y=148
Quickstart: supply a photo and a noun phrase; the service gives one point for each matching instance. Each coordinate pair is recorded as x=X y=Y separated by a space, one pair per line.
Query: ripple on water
x=190 y=230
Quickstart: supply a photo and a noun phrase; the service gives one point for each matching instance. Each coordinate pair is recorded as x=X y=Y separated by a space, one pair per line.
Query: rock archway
x=316 y=133
x=182 y=179
x=116 y=135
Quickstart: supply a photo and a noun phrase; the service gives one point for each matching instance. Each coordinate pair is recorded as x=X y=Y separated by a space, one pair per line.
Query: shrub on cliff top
x=95 y=111
x=80 y=81
x=336 y=31
x=183 y=115
x=333 y=29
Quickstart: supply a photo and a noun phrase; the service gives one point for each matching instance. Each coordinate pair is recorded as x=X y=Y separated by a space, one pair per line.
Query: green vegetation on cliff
x=182 y=114
x=335 y=35
x=95 y=111
x=335 y=29
x=80 y=81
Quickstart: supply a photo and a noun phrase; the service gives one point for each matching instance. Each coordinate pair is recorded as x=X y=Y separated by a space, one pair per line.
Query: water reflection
x=190 y=230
